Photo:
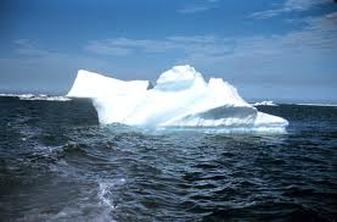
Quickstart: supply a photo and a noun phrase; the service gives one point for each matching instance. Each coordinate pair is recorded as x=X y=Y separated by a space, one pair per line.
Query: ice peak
x=178 y=74
x=90 y=84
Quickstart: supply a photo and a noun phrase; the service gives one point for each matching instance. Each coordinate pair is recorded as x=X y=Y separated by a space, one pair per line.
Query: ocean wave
x=105 y=191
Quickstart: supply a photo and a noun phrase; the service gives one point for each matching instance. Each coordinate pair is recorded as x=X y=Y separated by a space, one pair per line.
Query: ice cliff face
x=180 y=98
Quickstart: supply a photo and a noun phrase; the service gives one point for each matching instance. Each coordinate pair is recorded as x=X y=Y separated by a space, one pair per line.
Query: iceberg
x=180 y=98
x=265 y=103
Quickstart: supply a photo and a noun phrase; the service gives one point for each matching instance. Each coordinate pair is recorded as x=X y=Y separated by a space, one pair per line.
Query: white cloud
x=33 y=68
x=289 y=6
x=301 y=50
x=198 y=7
x=26 y=47
x=318 y=36
x=190 y=9
x=302 y=5
x=204 y=45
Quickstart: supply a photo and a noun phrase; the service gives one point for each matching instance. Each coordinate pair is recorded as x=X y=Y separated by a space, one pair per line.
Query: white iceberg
x=265 y=103
x=180 y=98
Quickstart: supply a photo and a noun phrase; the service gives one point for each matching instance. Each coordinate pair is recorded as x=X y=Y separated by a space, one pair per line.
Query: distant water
x=58 y=164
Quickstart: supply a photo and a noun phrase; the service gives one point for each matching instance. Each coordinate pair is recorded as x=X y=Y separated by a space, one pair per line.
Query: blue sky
x=279 y=50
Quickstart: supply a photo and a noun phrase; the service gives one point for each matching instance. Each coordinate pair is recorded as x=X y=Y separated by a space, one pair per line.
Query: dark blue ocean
x=58 y=164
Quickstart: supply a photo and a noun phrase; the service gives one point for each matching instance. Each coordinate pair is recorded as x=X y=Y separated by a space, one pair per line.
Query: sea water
x=58 y=164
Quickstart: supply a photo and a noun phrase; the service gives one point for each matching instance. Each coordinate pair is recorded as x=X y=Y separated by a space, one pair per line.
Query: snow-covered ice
x=180 y=98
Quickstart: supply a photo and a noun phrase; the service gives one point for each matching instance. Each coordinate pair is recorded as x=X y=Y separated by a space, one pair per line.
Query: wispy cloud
x=206 y=45
x=319 y=35
x=27 y=47
x=194 y=9
x=35 y=68
x=293 y=58
x=257 y=55
x=198 y=7
x=289 y=6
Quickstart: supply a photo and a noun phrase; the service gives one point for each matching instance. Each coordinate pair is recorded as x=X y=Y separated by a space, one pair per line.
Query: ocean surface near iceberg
x=180 y=98
x=58 y=163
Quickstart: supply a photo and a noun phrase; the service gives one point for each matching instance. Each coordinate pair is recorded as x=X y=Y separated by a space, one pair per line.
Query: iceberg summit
x=180 y=98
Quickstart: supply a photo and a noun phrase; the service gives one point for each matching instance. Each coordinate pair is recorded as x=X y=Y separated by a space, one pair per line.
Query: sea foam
x=180 y=98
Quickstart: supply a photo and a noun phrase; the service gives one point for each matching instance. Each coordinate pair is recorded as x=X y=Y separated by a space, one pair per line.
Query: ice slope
x=180 y=98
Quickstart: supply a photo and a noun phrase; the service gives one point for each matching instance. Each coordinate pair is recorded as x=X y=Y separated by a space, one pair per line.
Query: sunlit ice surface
x=181 y=98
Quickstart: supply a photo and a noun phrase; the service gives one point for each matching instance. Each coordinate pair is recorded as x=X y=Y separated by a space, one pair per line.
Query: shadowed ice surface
x=58 y=164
